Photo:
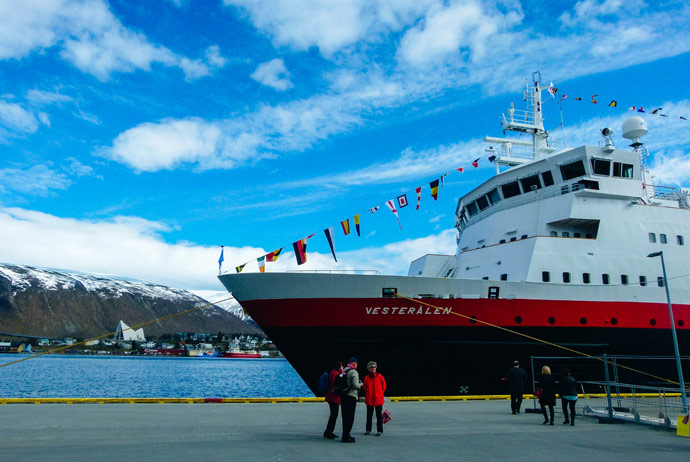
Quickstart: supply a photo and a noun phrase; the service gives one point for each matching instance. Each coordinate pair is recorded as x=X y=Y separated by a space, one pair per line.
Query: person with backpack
x=348 y=400
x=333 y=400
x=374 y=387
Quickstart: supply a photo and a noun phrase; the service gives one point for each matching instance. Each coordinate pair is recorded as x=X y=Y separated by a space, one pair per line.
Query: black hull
x=429 y=361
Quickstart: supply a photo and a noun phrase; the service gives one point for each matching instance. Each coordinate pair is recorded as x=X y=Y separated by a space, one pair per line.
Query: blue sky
x=138 y=137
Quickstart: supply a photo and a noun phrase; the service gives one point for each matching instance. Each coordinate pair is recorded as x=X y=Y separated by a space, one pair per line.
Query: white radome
x=634 y=128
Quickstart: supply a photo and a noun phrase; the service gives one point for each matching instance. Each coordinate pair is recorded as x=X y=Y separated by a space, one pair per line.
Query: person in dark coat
x=548 y=393
x=333 y=400
x=517 y=381
x=568 y=396
x=348 y=401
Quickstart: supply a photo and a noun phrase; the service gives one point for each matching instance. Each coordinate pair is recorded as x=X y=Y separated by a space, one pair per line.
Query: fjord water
x=62 y=376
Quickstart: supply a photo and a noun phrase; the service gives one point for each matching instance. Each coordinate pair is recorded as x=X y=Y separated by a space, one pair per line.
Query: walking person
x=348 y=401
x=548 y=393
x=517 y=381
x=374 y=386
x=568 y=396
x=333 y=400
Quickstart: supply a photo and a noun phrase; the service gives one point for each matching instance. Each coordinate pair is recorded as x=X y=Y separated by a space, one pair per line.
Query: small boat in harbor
x=240 y=354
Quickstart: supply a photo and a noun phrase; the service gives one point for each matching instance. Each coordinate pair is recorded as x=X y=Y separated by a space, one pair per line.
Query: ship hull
x=463 y=344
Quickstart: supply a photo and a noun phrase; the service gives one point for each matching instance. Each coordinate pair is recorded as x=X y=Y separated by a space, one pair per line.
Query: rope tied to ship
x=546 y=342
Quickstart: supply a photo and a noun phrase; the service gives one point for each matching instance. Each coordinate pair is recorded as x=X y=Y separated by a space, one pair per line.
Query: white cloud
x=150 y=147
x=273 y=74
x=17 y=119
x=88 y=35
x=38 y=180
x=40 y=97
x=134 y=247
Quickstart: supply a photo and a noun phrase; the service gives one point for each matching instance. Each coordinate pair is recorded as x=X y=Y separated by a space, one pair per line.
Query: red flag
x=460 y=169
x=273 y=256
x=419 y=196
x=475 y=162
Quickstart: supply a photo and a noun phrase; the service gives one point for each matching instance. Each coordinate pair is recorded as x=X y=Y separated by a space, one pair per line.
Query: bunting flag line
x=577 y=98
x=273 y=256
x=492 y=158
x=240 y=268
x=552 y=91
x=391 y=206
x=434 y=189
x=613 y=103
x=640 y=109
x=221 y=259
x=346 y=226
x=461 y=169
x=262 y=263
x=654 y=111
x=442 y=178
x=419 y=196
x=402 y=201
x=594 y=101
x=300 y=248
x=356 y=219
x=374 y=209
x=475 y=162
x=330 y=236
x=562 y=98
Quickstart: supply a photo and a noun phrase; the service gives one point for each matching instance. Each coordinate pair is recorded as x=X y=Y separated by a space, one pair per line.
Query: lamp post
x=673 y=329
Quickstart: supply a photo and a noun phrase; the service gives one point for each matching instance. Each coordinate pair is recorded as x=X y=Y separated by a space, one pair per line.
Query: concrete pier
x=451 y=430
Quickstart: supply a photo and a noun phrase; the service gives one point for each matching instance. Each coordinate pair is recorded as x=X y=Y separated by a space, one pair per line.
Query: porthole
x=552 y=320
x=614 y=321
x=518 y=319
x=681 y=323
x=473 y=319
x=583 y=321
x=652 y=322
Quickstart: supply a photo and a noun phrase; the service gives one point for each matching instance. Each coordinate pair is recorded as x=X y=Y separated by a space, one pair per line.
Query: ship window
x=680 y=240
x=643 y=281
x=588 y=184
x=524 y=236
x=583 y=321
x=577 y=234
x=624 y=279
x=652 y=322
x=510 y=189
x=652 y=237
x=518 y=319
x=389 y=292
x=662 y=238
x=605 y=278
x=513 y=239
x=545 y=276
x=554 y=233
x=472 y=209
x=486 y=278
x=530 y=182
x=601 y=167
x=493 y=196
x=572 y=170
x=588 y=235
x=566 y=278
x=482 y=202
x=493 y=292
x=565 y=234
x=552 y=319
x=547 y=178
x=504 y=277
x=622 y=170
x=660 y=281
x=502 y=241
x=586 y=278
x=614 y=321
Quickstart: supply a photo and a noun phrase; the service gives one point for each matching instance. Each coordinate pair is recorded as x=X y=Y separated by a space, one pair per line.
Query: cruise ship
x=553 y=256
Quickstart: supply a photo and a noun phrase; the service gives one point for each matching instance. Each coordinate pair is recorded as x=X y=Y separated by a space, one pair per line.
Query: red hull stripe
x=508 y=313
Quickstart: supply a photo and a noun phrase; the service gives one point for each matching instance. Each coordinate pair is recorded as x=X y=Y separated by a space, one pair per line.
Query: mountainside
x=49 y=303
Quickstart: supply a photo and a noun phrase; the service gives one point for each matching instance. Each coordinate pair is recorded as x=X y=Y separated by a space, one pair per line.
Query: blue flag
x=221 y=259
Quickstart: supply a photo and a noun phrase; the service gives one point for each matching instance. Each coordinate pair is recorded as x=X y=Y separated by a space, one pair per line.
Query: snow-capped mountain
x=57 y=303
x=225 y=301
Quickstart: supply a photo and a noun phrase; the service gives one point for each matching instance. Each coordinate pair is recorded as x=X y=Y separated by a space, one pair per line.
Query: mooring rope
x=164 y=318
x=546 y=342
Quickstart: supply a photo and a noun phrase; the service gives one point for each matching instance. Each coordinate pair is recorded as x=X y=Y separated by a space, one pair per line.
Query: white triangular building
x=127 y=334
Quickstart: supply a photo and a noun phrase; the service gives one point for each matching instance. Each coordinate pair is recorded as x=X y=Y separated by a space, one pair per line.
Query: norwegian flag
x=402 y=201
x=419 y=196
x=391 y=206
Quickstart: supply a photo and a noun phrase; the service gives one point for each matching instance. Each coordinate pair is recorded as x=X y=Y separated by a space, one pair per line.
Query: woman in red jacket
x=374 y=386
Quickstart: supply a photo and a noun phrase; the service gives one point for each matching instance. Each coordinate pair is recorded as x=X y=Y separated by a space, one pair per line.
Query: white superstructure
x=583 y=216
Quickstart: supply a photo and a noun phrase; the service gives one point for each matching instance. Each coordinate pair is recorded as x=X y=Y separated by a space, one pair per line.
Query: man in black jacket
x=517 y=380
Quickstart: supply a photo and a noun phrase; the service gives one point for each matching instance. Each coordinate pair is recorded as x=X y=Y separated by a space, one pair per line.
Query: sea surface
x=63 y=376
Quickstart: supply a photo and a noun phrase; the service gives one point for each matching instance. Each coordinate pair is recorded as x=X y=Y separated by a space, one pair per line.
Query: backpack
x=340 y=386
x=323 y=387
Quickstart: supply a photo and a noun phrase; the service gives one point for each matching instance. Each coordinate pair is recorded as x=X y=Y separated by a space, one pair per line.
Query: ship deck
x=471 y=430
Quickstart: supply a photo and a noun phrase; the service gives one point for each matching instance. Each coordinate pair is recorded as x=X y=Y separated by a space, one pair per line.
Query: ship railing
x=657 y=406
x=670 y=193
x=337 y=271
x=519 y=152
